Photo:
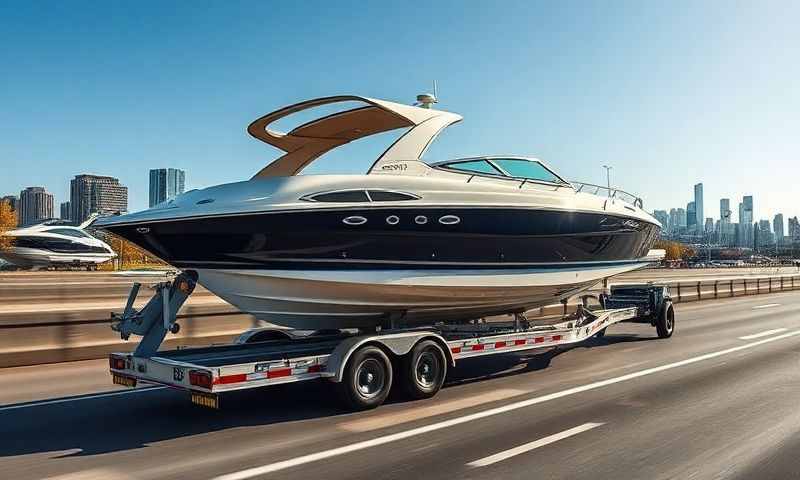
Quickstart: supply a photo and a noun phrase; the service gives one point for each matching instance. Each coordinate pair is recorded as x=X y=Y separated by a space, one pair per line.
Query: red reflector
x=477 y=347
x=200 y=378
x=519 y=342
x=456 y=349
x=315 y=369
x=499 y=344
x=538 y=340
x=282 y=372
x=556 y=338
x=116 y=363
x=240 y=377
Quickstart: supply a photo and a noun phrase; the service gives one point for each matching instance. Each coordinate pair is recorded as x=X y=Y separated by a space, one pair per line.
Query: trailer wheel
x=367 y=379
x=665 y=323
x=423 y=370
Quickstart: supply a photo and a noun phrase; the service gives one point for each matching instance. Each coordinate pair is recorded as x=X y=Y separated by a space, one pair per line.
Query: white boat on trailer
x=408 y=242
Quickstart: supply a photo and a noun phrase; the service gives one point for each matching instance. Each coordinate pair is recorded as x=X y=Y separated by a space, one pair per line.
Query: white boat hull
x=330 y=299
x=32 y=257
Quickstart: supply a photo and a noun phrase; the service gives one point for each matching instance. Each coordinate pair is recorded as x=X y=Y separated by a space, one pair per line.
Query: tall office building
x=709 y=225
x=66 y=211
x=681 y=217
x=661 y=216
x=794 y=230
x=764 y=233
x=746 y=220
x=35 y=205
x=166 y=183
x=96 y=194
x=777 y=227
x=725 y=210
x=691 y=217
x=698 y=204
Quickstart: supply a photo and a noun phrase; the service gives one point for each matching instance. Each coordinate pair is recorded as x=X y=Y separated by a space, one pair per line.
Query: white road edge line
x=762 y=334
x=513 y=452
x=394 y=437
x=769 y=305
x=75 y=399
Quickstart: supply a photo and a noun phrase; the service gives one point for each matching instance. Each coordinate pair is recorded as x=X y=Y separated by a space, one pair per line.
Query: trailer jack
x=156 y=318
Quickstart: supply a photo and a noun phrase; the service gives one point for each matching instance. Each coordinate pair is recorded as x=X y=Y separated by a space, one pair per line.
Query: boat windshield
x=516 y=168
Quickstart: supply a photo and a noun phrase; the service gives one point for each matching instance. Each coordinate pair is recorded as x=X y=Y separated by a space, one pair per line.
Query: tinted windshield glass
x=477 y=166
x=526 y=169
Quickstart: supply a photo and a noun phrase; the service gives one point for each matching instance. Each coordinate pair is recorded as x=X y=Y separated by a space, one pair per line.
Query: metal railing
x=609 y=192
x=684 y=291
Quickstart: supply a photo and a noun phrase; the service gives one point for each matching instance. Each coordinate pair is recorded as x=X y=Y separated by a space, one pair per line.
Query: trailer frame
x=209 y=372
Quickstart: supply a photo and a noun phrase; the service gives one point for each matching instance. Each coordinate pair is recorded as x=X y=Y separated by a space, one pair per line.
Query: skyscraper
x=764 y=233
x=746 y=219
x=777 y=227
x=725 y=210
x=698 y=204
x=66 y=211
x=96 y=194
x=166 y=183
x=691 y=217
x=661 y=216
x=35 y=205
x=681 y=217
x=794 y=230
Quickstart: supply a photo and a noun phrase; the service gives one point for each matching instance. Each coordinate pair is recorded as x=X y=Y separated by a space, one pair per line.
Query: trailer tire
x=367 y=379
x=665 y=323
x=423 y=370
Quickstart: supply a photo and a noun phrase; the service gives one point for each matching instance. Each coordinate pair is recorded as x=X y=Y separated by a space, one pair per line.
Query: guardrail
x=683 y=291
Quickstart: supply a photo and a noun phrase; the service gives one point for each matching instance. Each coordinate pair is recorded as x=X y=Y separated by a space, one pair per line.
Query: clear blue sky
x=669 y=93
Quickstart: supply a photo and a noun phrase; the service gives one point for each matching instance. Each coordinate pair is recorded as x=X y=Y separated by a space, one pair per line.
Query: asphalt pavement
x=717 y=400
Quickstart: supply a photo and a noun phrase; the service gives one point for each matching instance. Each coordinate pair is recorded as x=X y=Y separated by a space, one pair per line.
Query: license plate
x=123 y=380
x=205 y=400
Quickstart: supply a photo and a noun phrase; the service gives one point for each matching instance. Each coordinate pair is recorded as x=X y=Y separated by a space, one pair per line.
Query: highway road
x=718 y=400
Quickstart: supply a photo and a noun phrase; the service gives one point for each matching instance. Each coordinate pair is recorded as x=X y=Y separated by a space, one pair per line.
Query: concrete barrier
x=58 y=335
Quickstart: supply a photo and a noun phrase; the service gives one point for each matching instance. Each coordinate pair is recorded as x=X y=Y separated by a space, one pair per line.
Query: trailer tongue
x=360 y=365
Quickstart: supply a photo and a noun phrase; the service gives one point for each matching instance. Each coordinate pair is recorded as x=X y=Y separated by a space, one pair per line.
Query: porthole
x=354 y=220
x=449 y=220
x=392 y=219
x=420 y=219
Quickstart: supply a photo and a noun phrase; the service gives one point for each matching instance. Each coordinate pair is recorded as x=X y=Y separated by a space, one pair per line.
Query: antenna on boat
x=426 y=100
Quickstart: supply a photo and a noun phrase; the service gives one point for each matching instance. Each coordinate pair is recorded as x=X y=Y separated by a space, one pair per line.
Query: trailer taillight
x=116 y=363
x=200 y=378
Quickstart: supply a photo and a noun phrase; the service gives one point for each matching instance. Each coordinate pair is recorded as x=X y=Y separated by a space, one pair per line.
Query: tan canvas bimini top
x=309 y=141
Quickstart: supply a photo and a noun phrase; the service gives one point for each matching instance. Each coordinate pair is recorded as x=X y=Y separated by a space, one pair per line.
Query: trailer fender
x=397 y=343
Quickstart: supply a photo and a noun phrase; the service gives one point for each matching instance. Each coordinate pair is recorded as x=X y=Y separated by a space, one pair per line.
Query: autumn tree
x=8 y=221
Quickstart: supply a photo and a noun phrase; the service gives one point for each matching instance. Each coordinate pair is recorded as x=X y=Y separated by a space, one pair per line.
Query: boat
x=55 y=243
x=407 y=243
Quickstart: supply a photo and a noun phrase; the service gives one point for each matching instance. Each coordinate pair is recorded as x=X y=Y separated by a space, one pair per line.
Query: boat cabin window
x=527 y=169
x=68 y=232
x=361 y=196
x=341 y=196
x=387 y=196
x=475 y=166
